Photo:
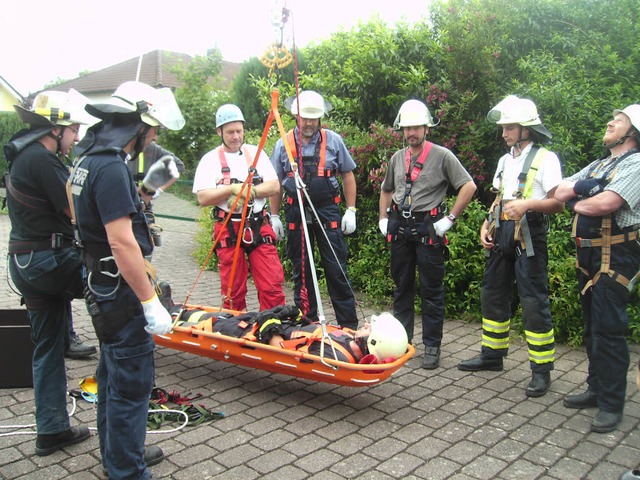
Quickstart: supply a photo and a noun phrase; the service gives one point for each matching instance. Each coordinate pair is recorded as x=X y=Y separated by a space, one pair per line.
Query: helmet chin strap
x=138 y=147
x=58 y=138
x=518 y=144
x=621 y=140
x=225 y=144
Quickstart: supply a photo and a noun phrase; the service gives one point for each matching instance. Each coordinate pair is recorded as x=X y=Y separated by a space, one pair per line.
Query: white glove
x=442 y=226
x=349 y=221
x=161 y=173
x=158 y=319
x=277 y=226
x=383 y=224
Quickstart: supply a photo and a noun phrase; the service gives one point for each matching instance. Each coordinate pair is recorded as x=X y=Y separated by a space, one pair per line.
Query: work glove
x=161 y=173
x=589 y=187
x=235 y=190
x=277 y=226
x=349 y=221
x=383 y=224
x=442 y=226
x=158 y=318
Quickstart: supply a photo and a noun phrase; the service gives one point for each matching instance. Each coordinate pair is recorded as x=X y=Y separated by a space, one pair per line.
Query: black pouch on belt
x=107 y=325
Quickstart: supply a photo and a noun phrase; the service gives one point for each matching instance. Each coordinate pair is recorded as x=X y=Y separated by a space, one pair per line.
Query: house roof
x=155 y=70
x=11 y=90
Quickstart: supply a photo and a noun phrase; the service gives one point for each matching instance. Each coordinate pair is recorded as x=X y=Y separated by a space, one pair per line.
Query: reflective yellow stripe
x=495 y=343
x=539 y=338
x=495 y=327
x=270 y=321
x=542 y=357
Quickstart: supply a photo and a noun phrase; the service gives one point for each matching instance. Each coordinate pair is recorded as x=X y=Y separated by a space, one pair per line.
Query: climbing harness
x=526 y=179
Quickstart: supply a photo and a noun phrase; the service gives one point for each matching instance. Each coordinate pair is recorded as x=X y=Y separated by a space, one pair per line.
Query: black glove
x=590 y=187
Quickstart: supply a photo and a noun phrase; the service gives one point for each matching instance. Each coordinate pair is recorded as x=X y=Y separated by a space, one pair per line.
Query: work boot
x=539 y=384
x=481 y=363
x=165 y=297
x=77 y=349
x=605 y=421
x=431 y=358
x=153 y=455
x=48 y=443
x=581 y=400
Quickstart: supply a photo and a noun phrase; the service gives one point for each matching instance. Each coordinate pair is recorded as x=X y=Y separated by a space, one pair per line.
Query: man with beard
x=413 y=217
x=321 y=156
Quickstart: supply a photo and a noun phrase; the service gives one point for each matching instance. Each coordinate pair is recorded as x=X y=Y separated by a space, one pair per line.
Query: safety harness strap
x=226 y=171
x=412 y=173
x=322 y=154
x=30 y=201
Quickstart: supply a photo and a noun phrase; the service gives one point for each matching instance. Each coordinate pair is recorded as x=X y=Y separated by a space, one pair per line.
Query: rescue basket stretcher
x=241 y=351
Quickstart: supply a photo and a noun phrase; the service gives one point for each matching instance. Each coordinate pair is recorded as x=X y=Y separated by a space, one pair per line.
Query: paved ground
x=419 y=424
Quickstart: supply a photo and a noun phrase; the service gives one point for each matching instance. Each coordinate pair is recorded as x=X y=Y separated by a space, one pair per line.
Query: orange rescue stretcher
x=241 y=351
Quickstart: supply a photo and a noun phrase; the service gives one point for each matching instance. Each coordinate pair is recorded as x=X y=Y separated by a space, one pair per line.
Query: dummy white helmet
x=228 y=113
x=51 y=108
x=633 y=112
x=311 y=104
x=519 y=111
x=388 y=337
x=156 y=106
x=414 y=113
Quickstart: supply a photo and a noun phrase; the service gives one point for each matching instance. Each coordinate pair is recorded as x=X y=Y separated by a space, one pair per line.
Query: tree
x=198 y=99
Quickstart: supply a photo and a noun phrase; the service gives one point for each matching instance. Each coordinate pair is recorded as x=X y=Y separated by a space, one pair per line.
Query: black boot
x=78 y=349
x=605 y=421
x=47 y=444
x=153 y=455
x=539 y=384
x=481 y=363
x=581 y=400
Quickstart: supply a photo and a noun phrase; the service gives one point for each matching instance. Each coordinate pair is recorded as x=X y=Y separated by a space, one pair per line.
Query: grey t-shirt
x=440 y=170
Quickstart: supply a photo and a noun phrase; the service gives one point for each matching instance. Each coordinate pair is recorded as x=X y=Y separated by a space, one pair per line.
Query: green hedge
x=369 y=252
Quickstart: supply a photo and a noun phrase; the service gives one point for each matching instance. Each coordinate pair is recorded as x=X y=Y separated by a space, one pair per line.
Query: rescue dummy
x=382 y=340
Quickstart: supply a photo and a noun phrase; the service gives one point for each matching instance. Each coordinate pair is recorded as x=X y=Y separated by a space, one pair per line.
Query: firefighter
x=413 y=218
x=120 y=295
x=218 y=182
x=606 y=201
x=515 y=240
x=321 y=156
x=43 y=264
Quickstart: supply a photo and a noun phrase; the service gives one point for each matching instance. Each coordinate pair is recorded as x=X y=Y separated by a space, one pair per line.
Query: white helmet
x=51 y=108
x=633 y=112
x=414 y=113
x=520 y=111
x=228 y=113
x=156 y=106
x=388 y=338
x=312 y=105
x=513 y=109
